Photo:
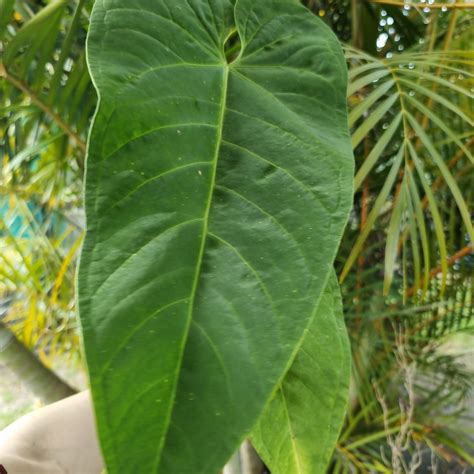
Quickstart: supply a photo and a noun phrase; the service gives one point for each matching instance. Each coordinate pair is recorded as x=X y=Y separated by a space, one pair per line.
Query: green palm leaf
x=383 y=92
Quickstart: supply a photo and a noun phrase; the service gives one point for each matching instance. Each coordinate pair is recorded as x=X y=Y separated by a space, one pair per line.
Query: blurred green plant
x=46 y=100
x=405 y=263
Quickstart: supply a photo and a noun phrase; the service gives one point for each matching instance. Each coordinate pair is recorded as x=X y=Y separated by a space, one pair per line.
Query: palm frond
x=43 y=69
x=37 y=278
x=408 y=114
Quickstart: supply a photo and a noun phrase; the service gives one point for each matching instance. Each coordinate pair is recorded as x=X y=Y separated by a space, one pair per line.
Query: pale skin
x=57 y=439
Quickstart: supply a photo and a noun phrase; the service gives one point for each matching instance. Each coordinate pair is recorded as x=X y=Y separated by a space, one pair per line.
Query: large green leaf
x=300 y=426
x=216 y=197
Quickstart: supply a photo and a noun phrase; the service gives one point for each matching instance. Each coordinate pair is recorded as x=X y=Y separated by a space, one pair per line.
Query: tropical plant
x=202 y=203
x=46 y=103
x=405 y=261
x=413 y=57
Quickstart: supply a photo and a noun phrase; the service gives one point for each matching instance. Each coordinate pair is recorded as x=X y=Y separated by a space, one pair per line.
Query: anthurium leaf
x=216 y=196
x=299 y=428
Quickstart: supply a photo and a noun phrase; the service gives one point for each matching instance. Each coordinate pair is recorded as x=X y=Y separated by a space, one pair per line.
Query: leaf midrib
x=292 y=434
x=220 y=128
x=327 y=447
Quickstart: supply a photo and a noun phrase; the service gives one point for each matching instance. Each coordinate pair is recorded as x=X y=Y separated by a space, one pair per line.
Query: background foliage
x=405 y=263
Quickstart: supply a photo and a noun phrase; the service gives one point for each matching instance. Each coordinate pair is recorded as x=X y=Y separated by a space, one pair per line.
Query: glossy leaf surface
x=300 y=426
x=216 y=197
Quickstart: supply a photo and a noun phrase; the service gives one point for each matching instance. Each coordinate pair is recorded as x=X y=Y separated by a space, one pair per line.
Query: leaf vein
x=247 y=264
x=147 y=318
x=272 y=218
x=294 y=178
x=217 y=353
x=156 y=177
x=156 y=237
x=148 y=132
x=168 y=20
